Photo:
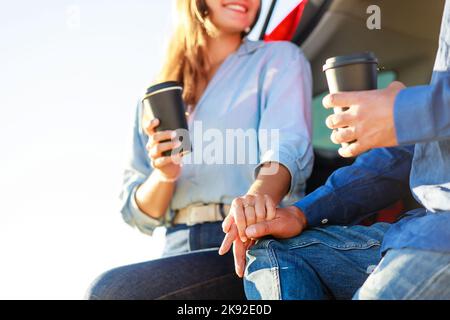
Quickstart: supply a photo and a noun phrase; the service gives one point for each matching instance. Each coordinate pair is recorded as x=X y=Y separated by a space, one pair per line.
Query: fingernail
x=178 y=160
x=329 y=123
x=243 y=239
x=251 y=231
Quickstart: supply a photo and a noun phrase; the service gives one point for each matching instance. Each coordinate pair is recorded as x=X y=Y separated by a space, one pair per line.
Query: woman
x=231 y=85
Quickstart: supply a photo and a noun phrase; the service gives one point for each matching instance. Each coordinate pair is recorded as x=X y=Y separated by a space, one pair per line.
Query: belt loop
x=222 y=211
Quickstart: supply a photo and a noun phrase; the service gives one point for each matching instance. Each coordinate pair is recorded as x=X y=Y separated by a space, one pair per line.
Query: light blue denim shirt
x=260 y=87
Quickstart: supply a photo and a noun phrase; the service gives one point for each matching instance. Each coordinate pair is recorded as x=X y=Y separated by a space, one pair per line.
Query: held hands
x=248 y=210
x=244 y=211
x=255 y=216
x=369 y=119
x=169 y=168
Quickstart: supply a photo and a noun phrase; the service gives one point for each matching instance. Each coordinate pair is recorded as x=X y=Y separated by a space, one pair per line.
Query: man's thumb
x=260 y=229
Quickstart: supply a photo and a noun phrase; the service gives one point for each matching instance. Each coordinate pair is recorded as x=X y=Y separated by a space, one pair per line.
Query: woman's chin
x=234 y=29
x=234 y=24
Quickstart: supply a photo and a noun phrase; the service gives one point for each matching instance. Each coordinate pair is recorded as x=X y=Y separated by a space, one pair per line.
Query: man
x=407 y=260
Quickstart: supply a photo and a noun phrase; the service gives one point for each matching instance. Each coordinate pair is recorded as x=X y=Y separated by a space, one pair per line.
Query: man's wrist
x=299 y=214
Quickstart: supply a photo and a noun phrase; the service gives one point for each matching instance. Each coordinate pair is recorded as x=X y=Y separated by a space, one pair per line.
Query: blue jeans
x=190 y=269
x=409 y=274
x=343 y=263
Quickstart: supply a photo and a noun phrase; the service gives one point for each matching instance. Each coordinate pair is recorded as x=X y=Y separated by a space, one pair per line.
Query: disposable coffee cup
x=164 y=101
x=356 y=72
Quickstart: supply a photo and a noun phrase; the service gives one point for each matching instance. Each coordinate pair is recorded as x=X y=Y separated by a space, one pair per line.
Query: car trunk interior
x=406 y=44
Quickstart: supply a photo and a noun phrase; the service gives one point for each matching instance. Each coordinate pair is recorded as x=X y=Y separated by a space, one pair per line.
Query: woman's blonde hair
x=186 y=58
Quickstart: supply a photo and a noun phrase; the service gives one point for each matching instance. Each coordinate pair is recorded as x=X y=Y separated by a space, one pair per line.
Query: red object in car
x=389 y=215
x=285 y=30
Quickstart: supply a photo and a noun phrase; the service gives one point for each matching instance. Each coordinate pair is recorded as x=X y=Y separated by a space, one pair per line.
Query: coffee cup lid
x=339 y=61
x=164 y=86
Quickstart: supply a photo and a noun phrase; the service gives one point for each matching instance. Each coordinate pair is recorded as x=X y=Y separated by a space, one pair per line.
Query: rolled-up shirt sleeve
x=422 y=113
x=285 y=124
x=136 y=172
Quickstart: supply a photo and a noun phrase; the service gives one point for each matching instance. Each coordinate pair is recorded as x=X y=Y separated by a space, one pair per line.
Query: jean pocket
x=337 y=237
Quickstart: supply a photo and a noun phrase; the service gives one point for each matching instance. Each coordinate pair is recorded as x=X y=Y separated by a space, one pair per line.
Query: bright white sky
x=67 y=95
x=71 y=73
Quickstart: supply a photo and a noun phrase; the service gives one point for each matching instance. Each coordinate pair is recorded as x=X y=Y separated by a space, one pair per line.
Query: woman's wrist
x=153 y=196
x=163 y=178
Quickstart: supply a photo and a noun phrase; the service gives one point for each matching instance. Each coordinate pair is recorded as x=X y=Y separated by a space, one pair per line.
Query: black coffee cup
x=164 y=101
x=356 y=72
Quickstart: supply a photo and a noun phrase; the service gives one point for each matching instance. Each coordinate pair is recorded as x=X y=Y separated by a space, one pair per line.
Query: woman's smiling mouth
x=236 y=7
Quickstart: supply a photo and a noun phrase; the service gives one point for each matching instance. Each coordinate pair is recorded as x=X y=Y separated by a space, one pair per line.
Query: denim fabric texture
x=190 y=269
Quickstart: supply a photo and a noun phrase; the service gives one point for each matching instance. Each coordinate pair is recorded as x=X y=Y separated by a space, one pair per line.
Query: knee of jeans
x=261 y=279
x=104 y=287
x=259 y=256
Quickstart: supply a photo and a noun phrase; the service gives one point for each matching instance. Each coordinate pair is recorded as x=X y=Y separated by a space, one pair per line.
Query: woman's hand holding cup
x=169 y=167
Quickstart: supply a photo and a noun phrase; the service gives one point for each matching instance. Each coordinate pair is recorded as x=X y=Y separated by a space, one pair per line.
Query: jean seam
x=194 y=286
x=411 y=295
x=274 y=268
x=343 y=248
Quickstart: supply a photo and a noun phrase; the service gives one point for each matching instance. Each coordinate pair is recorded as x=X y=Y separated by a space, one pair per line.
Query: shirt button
x=324 y=221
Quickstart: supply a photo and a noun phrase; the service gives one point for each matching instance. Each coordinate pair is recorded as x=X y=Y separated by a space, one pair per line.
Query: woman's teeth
x=236 y=7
